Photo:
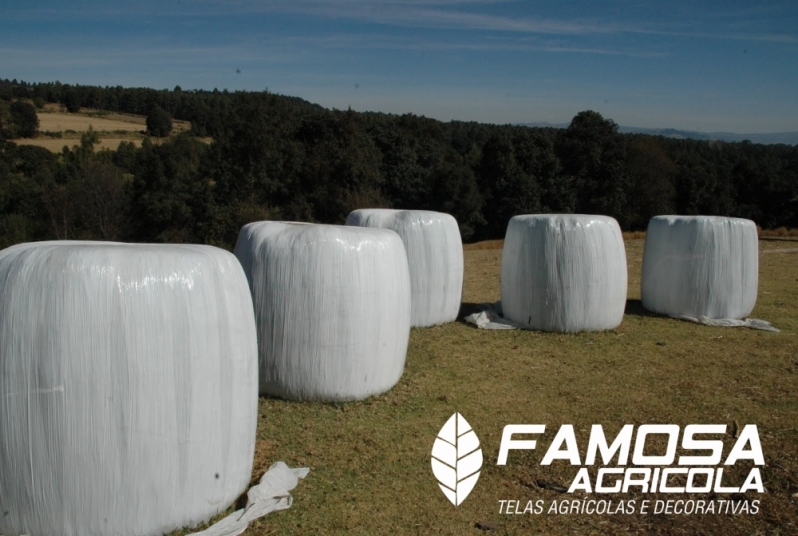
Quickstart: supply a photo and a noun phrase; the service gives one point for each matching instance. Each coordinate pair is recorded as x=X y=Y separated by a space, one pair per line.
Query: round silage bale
x=332 y=308
x=128 y=387
x=564 y=272
x=700 y=266
x=434 y=255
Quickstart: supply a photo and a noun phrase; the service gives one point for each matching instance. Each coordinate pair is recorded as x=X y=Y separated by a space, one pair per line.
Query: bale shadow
x=779 y=238
x=635 y=308
x=468 y=308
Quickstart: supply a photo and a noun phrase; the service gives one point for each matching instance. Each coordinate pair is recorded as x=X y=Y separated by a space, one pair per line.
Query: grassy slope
x=370 y=461
x=113 y=128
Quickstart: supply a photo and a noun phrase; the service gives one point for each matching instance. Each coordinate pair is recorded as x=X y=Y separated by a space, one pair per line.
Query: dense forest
x=278 y=157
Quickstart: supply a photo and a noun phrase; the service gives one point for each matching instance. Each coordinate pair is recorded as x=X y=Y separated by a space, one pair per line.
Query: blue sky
x=679 y=64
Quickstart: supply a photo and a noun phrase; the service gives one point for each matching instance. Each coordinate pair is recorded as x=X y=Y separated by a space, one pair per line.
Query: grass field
x=112 y=128
x=61 y=122
x=57 y=144
x=370 y=460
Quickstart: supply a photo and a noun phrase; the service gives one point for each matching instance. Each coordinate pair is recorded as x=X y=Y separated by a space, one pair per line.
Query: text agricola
x=649 y=473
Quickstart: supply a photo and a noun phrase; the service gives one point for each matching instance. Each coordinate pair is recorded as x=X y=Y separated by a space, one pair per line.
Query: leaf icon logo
x=456 y=459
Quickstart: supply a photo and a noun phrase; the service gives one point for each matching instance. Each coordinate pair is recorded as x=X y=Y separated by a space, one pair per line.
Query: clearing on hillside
x=55 y=145
x=61 y=122
x=112 y=128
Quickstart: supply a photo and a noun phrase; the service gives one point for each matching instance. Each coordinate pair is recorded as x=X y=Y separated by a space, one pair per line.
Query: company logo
x=456 y=459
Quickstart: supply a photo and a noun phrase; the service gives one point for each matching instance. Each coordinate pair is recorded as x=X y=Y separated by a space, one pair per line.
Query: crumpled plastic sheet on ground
x=435 y=258
x=128 y=387
x=269 y=495
x=752 y=323
x=332 y=308
x=564 y=272
x=489 y=316
x=700 y=266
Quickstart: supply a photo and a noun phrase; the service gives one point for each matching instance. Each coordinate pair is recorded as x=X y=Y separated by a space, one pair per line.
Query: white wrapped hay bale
x=434 y=255
x=700 y=266
x=128 y=387
x=332 y=308
x=564 y=272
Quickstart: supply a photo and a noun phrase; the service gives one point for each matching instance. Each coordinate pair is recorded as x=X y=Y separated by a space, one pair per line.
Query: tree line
x=277 y=157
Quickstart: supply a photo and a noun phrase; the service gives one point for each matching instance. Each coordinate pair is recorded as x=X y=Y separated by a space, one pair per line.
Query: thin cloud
x=374 y=41
x=408 y=14
x=772 y=38
x=732 y=36
x=605 y=51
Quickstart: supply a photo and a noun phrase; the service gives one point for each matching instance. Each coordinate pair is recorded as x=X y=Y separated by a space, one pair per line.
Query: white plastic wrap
x=700 y=266
x=332 y=308
x=434 y=254
x=564 y=272
x=272 y=493
x=489 y=316
x=750 y=323
x=128 y=387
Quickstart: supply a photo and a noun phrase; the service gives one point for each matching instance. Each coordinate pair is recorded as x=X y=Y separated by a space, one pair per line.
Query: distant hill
x=545 y=125
x=788 y=138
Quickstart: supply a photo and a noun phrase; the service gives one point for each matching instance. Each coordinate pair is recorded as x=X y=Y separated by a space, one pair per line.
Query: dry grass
x=112 y=128
x=370 y=460
x=781 y=232
x=61 y=122
x=57 y=144
x=485 y=244
x=633 y=235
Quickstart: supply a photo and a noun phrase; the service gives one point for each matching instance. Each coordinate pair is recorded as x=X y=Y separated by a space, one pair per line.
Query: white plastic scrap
x=700 y=266
x=751 y=323
x=128 y=387
x=489 y=316
x=434 y=253
x=564 y=272
x=269 y=495
x=332 y=308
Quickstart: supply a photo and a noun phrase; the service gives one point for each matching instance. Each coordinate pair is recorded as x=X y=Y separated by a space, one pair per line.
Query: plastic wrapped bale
x=564 y=272
x=700 y=266
x=128 y=387
x=435 y=257
x=332 y=308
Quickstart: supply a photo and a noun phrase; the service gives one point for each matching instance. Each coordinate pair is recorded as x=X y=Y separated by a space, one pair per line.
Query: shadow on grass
x=780 y=238
x=467 y=308
x=635 y=307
